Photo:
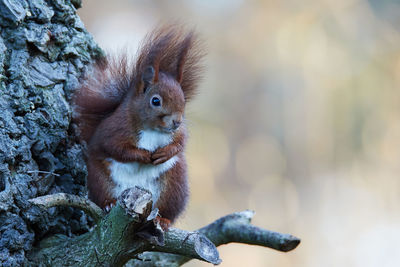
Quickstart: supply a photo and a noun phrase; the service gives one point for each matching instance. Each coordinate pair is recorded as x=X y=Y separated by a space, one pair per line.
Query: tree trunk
x=44 y=49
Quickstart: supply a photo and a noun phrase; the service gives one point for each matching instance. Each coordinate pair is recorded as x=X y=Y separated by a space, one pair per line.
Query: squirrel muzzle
x=172 y=122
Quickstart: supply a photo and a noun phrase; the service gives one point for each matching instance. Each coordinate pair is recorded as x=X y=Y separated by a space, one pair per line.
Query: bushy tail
x=101 y=92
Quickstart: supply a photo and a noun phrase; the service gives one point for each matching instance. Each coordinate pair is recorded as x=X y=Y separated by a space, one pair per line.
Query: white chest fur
x=151 y=140
x=126 y=175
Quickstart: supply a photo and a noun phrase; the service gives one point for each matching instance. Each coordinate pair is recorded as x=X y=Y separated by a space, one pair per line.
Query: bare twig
x=63 y=199
x=236 y=227
x=45 y=172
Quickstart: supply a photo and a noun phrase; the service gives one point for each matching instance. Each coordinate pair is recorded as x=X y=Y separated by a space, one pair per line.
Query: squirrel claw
x=108 y=207
x=160 y=160
x=159 y=157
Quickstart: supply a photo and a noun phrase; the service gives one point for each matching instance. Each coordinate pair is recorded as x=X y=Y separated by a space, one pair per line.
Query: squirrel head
x=160 y=100
x=166 y=75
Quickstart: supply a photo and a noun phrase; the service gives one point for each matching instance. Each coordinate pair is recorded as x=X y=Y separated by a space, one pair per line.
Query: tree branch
x=130 y=231
x=236 y=227
x=232 y=228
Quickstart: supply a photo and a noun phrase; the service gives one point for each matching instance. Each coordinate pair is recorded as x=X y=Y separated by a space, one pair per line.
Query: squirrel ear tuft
x=184 y=48
x=148 y=77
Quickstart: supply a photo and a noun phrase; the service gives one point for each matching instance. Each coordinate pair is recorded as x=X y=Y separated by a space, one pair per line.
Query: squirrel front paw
x=109 y=205
x=160 y=156
x=145 y=157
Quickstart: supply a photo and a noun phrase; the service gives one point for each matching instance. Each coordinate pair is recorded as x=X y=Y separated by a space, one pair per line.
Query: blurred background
x=297 y=118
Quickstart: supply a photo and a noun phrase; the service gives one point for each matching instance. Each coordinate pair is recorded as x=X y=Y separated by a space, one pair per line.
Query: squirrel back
x=168 y=49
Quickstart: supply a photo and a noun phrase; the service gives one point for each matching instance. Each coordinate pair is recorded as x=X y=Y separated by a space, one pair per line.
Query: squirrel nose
x=172 y=121
x=176 y=124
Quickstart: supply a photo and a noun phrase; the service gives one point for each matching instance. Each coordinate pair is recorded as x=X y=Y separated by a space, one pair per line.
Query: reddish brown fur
x=174 y=196
x=101 y=93
x=113 y=105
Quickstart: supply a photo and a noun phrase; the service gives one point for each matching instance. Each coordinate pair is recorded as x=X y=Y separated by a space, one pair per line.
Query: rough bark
x=43 y=50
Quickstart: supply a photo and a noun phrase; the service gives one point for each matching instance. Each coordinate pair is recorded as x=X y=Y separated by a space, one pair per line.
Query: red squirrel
x=132 y=119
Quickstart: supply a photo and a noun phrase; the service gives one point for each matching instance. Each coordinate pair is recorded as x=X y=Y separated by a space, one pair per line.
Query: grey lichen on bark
x=44 y=48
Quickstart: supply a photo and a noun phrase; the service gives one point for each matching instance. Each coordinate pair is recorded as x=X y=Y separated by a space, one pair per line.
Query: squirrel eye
x=155 y=101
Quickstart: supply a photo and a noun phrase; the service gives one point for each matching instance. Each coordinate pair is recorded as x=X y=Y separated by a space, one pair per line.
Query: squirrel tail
x=101 y=92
